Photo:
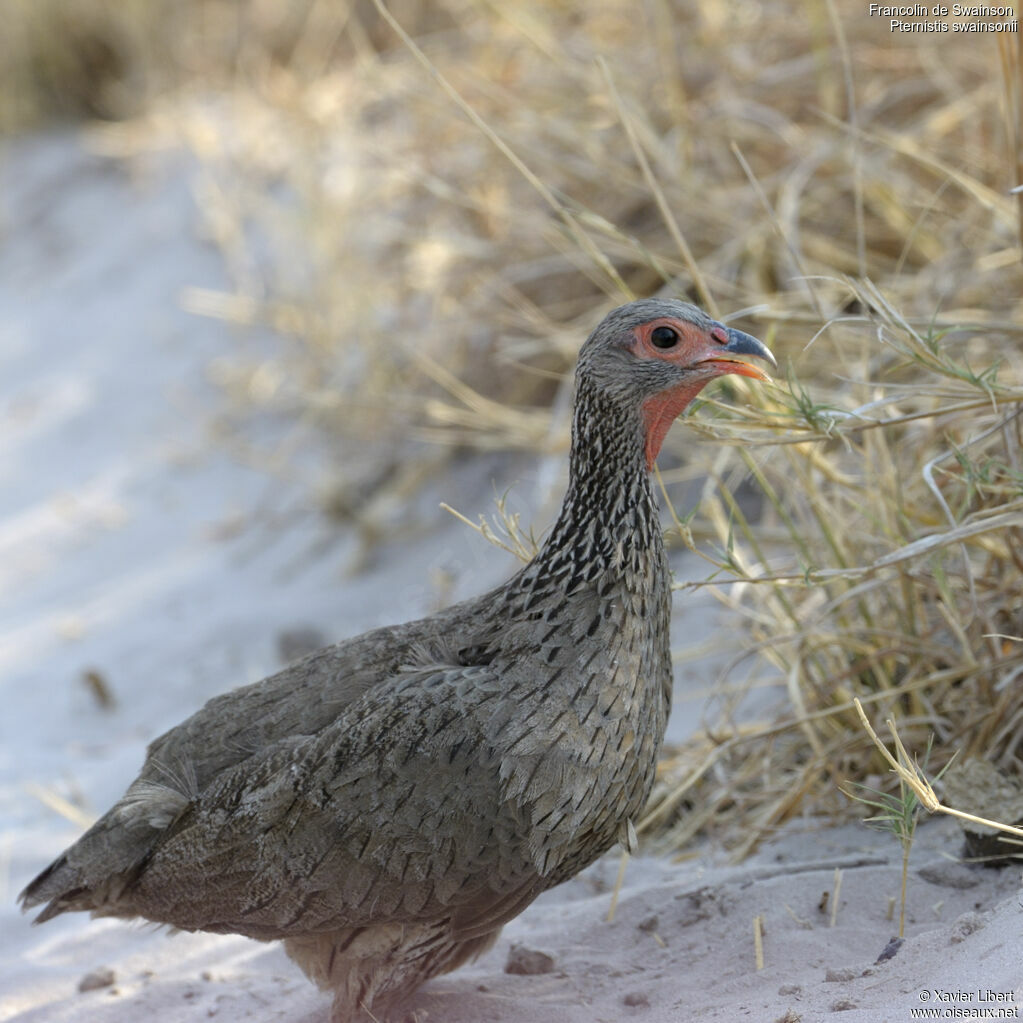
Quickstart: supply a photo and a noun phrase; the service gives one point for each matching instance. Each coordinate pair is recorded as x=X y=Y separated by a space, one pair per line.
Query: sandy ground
x=133 y=547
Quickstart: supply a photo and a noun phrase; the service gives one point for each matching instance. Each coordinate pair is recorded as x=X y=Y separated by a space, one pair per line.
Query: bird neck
x=608 y=522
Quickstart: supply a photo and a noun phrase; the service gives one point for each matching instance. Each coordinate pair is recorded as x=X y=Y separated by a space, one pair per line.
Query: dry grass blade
x=506 y=532
x=1010 y=55
x=61 y=806
x=909 y=771
x=658 y=193
x=510 y=155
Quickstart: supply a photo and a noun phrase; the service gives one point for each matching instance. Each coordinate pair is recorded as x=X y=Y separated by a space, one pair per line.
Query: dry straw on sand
x=410 y=214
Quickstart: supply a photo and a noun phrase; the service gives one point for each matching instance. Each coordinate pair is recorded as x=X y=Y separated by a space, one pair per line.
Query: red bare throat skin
x=660 y=411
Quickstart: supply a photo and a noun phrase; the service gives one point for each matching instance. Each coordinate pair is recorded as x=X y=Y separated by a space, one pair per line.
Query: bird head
x=654 y=357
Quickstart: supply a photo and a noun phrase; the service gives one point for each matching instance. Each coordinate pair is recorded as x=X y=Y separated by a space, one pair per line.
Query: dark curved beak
x=740 y=344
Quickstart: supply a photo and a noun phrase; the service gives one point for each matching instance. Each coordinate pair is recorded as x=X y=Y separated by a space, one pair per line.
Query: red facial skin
x=701 y=352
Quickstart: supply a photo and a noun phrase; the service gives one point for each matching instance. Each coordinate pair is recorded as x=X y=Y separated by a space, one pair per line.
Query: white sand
x=132 y=545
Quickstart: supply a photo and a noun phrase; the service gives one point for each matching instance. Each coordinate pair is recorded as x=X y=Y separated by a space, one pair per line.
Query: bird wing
x=300 y=700
x=401 y=808
x=396 y=811
x=243 y=731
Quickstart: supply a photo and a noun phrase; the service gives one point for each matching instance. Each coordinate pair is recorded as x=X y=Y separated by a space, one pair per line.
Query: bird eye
x=663 y=337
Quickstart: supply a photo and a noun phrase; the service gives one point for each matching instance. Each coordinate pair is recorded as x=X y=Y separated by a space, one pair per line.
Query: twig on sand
x=619 y=880
x=835 y=893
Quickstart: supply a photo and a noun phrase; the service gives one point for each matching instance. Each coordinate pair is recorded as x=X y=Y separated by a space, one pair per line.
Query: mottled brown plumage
x=386 y=804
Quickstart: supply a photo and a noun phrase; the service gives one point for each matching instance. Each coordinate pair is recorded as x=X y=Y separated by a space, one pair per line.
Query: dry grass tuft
x=431 y=229
x=886 y=569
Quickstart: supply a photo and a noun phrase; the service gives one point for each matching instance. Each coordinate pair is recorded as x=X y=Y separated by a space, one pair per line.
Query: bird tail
x=94 y=874
x=61 y=886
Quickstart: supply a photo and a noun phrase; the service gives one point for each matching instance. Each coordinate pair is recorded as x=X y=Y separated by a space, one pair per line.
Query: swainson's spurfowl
x=386 y=804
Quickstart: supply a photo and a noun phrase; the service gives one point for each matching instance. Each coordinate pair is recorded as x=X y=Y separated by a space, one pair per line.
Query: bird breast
x=581 y=761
